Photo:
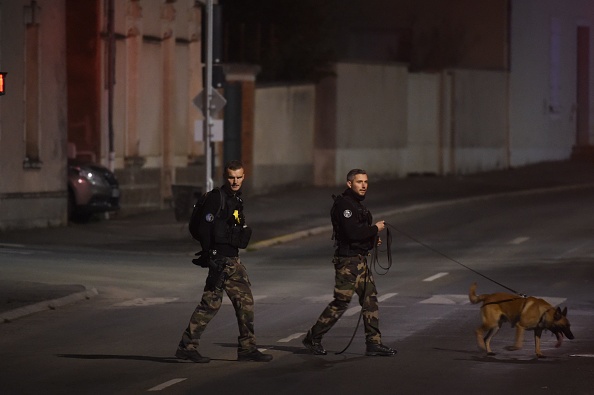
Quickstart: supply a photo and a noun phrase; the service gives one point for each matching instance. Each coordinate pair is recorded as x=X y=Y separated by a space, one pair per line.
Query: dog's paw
x=541 y=356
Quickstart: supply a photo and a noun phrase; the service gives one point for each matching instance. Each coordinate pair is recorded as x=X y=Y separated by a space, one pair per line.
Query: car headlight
x=93 y=177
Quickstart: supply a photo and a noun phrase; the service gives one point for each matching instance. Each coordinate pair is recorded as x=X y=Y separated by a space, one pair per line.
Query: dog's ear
x=559 y=314
x=564 y=312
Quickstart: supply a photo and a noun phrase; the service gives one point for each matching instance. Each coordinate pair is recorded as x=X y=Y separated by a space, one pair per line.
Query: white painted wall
x=537 y=132
x=479 y=127
x=371 y=119
x=283 y=136
x=423 y=112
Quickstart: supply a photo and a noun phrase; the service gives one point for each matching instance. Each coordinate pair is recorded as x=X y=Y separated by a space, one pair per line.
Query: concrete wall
x=34 y=196
x=283 y=137
x=543 y=78
x=393 y=123
x=371 y=119
x=478 y=130
x=424 y=101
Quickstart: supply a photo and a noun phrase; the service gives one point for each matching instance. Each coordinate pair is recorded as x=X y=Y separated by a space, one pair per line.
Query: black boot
x=379 y=349
x=192 y=354
x=255 y=355
x=315 y=347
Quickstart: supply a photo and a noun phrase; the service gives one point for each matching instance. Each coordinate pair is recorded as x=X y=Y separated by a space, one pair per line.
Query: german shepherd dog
x=524 y=313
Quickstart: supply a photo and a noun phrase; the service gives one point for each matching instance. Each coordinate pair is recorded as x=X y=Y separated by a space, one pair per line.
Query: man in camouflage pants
x=355 y=236
x=222 y=232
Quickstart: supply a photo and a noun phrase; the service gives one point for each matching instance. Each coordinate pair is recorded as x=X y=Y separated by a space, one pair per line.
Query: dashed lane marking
x=519 y=240
x=446 y=299
x=318 y=299
x=141 y=302
x=291 y=337
x=357 y=309
x=436 y=276
x=166 y=384
x=386 y=296
x=552 y=300
x=463 y=299
x=226 y=301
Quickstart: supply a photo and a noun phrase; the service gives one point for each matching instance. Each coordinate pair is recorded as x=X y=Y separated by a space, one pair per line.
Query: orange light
x=2 y=77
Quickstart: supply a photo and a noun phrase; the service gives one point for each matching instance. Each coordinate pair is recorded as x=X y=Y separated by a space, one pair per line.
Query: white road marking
x=226 y=301
x=139 y=302
x=552 y=300
x=519 y=240
x=166 y=384
x=357 y=309
x=11 y=245
x=582 y=355
x=319 y=299
x=463 y=299
x=352 y=311
x=291 y=337
x=436 y=276
x=386 y=296
x=447 y=299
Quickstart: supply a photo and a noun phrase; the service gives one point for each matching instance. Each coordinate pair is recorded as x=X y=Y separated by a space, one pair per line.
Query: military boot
x=315 y=347
x=378 y=349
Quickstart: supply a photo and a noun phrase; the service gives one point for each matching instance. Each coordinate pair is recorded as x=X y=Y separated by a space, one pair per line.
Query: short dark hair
x=233 y=165
x=351 y=174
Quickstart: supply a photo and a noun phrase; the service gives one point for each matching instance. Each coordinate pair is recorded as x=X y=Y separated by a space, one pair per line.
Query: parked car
x=92 y=189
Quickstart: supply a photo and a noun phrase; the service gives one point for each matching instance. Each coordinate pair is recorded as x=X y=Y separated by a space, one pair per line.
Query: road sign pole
x=208 y=98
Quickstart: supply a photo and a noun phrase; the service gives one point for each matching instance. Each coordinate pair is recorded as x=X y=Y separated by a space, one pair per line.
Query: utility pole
x=110 y=80
x=208 y=99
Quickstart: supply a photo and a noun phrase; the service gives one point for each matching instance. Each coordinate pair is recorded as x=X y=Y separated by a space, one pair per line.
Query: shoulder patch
x=347 y=213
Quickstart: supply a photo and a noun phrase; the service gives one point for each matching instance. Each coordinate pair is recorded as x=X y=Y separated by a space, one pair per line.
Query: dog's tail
x=474 y=298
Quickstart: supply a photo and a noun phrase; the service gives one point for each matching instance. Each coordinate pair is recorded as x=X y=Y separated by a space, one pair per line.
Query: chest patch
x=209 y=217
x=347 y=213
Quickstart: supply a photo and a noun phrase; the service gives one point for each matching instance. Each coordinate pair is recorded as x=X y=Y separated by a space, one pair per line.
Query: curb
x=52 y=304
x=415 y=207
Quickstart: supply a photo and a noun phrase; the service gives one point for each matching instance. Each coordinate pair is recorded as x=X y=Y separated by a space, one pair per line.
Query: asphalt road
x=122 y=341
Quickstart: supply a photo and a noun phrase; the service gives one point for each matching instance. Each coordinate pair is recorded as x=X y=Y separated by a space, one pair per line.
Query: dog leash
x=452 y=259
x=360 y=313
x=375 y=262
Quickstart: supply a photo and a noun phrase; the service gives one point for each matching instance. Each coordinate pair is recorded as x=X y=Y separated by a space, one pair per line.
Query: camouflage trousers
x=352 y=276
x=237 y=286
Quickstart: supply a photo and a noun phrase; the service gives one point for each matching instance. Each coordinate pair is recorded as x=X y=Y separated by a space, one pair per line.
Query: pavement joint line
x=415 y=207
x=52 y=304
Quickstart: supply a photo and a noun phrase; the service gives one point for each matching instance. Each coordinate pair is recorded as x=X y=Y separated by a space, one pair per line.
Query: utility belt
x=351 y=250
x=350 y=263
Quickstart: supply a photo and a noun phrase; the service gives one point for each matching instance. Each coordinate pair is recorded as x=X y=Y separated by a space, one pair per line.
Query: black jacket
x=225 y=232
x=352 y=223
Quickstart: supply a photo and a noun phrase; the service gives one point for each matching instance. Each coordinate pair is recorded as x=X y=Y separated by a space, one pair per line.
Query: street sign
x=217 y=102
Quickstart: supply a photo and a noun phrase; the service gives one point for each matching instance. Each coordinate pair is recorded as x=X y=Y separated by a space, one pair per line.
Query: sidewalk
x=275 y=218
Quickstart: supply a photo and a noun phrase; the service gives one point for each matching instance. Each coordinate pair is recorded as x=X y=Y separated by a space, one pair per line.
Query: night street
x=122 y=341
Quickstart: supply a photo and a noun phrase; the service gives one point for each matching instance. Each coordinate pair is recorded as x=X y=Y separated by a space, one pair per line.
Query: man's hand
x=380 y=225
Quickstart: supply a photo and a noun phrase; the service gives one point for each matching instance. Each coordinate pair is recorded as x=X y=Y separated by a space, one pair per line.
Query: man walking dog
x=355 y=236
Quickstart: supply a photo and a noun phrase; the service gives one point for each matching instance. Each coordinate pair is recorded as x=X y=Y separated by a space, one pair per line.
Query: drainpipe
x=110 y=79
